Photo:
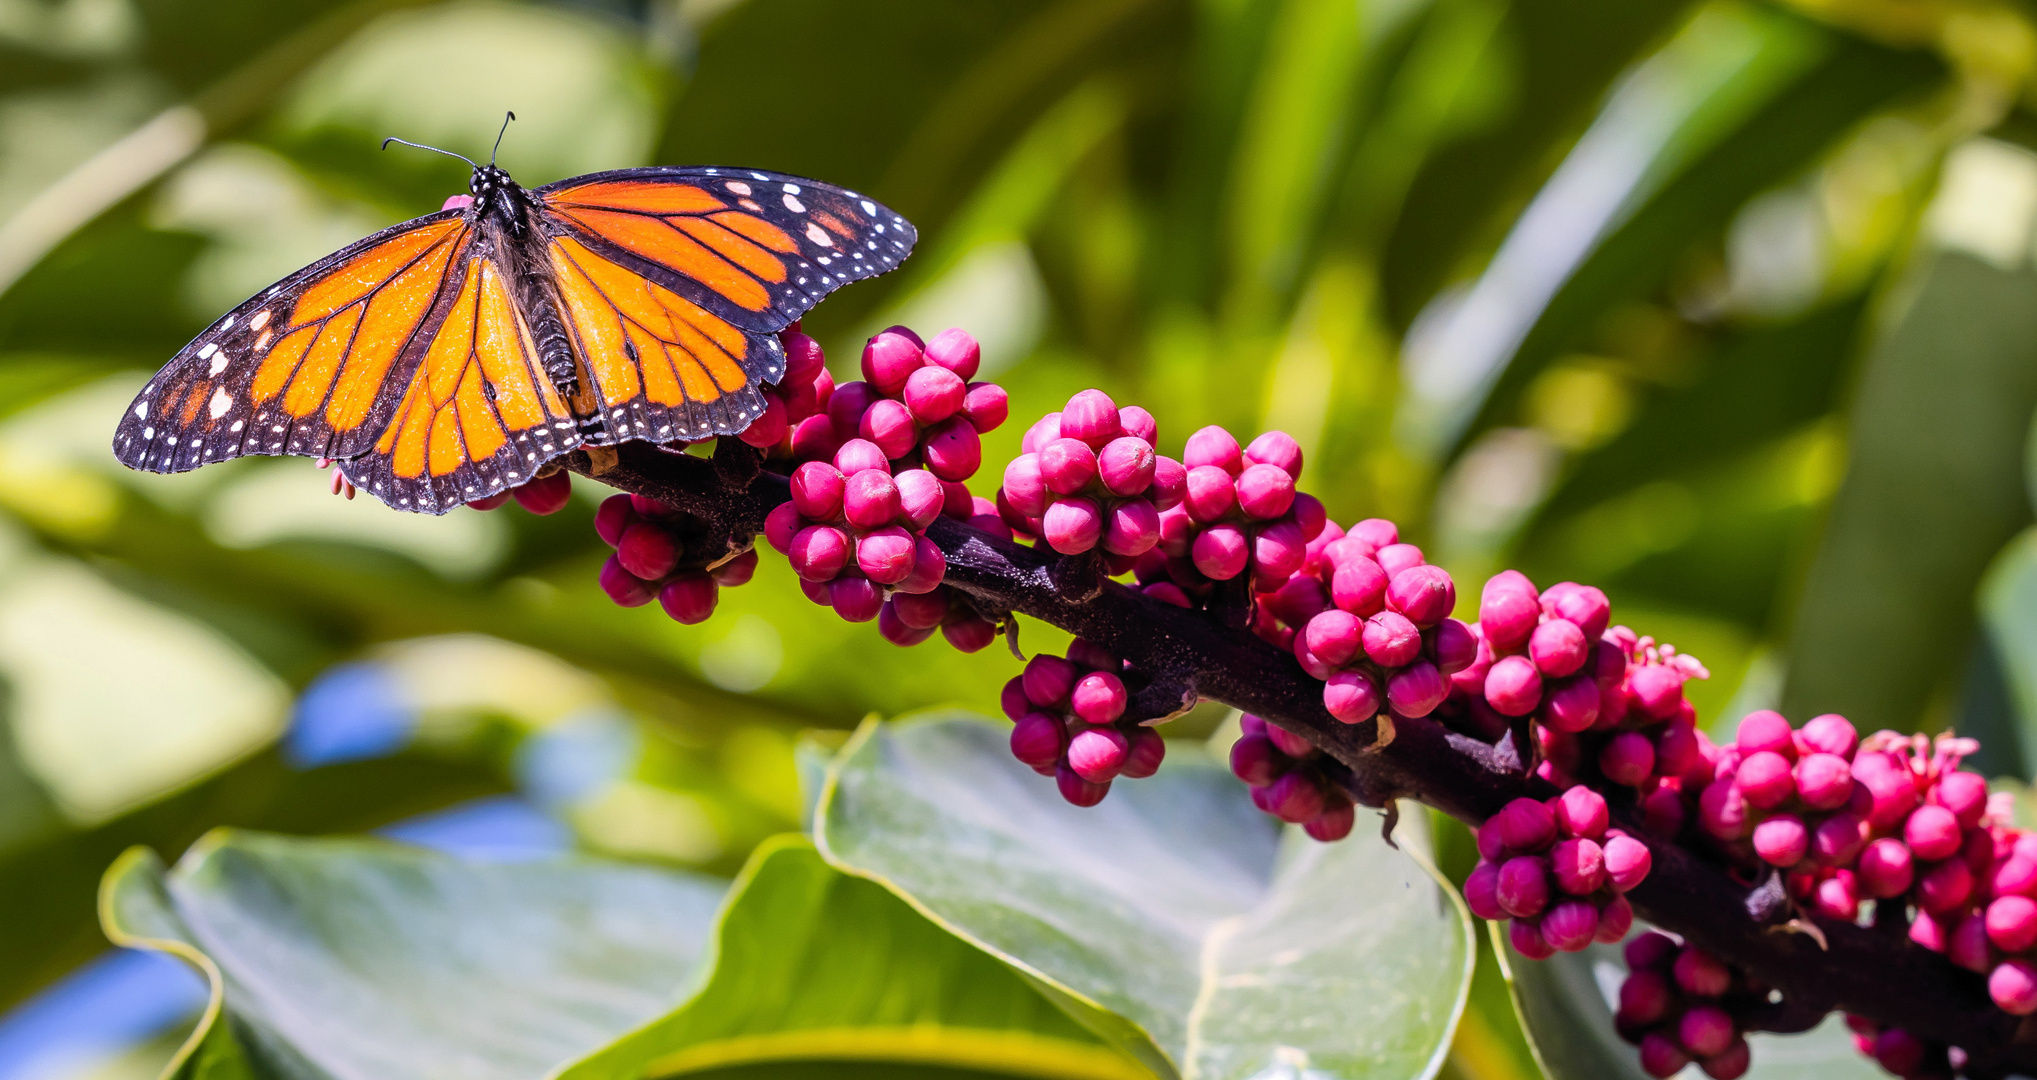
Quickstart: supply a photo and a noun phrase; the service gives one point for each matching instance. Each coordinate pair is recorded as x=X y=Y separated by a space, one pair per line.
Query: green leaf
x=812 y=965
x=364 y=958
x=1562 y=1005
x=1171 y=919
x=2008 y=611
x=1933 y=490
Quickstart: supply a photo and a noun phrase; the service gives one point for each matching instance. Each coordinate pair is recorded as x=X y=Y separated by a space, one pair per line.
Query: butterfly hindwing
x=477 y=413
x=305 y=366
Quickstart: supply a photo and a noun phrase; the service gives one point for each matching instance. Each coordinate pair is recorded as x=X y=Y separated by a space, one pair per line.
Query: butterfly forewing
x=302 y=367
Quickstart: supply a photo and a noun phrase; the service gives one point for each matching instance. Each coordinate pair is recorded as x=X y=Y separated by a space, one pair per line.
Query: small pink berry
x=2013 y=986
x=933 y=394
x=1037 y=739
x=1705 y=1030
x=817 y=490
x=1067 y=465
x=1048 y=679
x=924 y=611
x=1661 y=1056
x=1831 y=734
x=736 y=571
x=1098 y=698
x=1614 y=920
x=1211 y=494
x=1097 y=753
x=1334 y=636
x=860 y=455
x=1652 y=951
x=1025 y=487
x=1944 y=887
x=1072 y=525
x=1700 y=974
x=953 y=451
x=781 y=525
x=615 y=516
x=1782 y=840
x=1579 y=865
x=1333 y=824
x=1524 y=886
x=1417 y=689
x=892 y=628
x=1730 y=1063
x=819 y=552
x=1133 y=529
x=1835 y=898
x=889 y=359
x=986 y=406
x=814 y=439
x=1656 y=688
x=1359 y=587
x=1885 y=869
x=889 y=425
x=1215 y=447
x=885 y=555
x=1932 y=832
x=2011 y=923
x=846 y=407
x=1454 y=646
x=1627 y=862
x=1890 y=790
x=1290 y=743
x=870 y=499
x=1662 y=811
x=920 y=496
x=1277 y=552
x=1126 y=466
x=1765 y=729
x=1139 y=424
x=647 y=551
x=1765 y=779
x=1508 y=610
x=1148 y=749
x=855 y=599
x=1838 y=839
x=1824 y=781
x=1265 y=492
x=1481 y=892
x=1425 y=594
x=1077 y=790
x=929 y=568
x=1646 y=997
x=1278 y=449
x=2017 y=874
x=1571 y=925
x=545 y=495
x=1964 y=794
x=1220 y=552
x=1526 y=938
x=623 y=587
x=1526 y=826
x=1513 y=687
x=1583 y=605
x=1296 y=797
x=1390 y=640
x=1170 y=484
x=1092 y=417
x=1722 y=810
x=1581 y=812
x=956 y=351
x=1558 y=648
x=1570 y=705
x=1394 y=558
x=1256 y=761
x=1628 y=757
x=689 y=598
x=1351 y=696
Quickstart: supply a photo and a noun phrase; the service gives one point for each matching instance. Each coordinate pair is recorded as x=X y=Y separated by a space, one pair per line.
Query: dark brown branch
x=1860 y=969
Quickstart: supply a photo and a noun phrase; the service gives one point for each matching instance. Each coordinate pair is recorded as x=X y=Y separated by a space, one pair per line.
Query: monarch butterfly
x=453 y=356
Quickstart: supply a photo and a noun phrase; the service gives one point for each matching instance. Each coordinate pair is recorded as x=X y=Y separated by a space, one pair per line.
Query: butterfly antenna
x=433 y=149
x=506 y=118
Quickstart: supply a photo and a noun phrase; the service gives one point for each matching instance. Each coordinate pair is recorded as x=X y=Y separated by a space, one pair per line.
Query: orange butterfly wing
x=674 y=281
x=301 y=367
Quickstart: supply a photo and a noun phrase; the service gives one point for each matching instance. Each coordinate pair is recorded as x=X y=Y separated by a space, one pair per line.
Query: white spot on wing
x=218 y=365
x=869 y=207
x=260 y=320
x=208 y=350
x=220 y=403
x=738 y=187
x=819 y=235
x=141 y=410
x=793 y=204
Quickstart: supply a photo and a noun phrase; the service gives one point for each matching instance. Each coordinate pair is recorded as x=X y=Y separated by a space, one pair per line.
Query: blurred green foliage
x=1721 y=305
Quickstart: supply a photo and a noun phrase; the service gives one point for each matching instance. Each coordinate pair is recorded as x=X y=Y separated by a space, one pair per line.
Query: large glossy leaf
x=352 y=958
x=1172 y=919
x=1933 y=490
x=1562 y=1005
x=813 y=965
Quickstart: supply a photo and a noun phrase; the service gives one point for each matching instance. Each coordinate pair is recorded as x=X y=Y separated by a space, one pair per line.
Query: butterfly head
x=494 y=191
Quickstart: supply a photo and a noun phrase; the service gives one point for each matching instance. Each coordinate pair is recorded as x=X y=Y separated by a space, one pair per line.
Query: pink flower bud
x=1891 y=793
x=1661 y=1056
x=1782 y=840
x=1170 y=484
x=1143 y=759
x=1213 y=446
x=736 y=571
x=1277 y=552
x=1394 y=558
x=1454 y=646
x=1492 y=844
x=929 y=567
x=1126 y=466
x=985 y=406
x=1835 y=898
x=1072 y=525
x=889 y=359
x=1481 y=892
x=1333 y=824
x=1025 y=487
x=885 y=555
x=1581 y=813
x=1932 y=833
x=1656 y=689
x=1098 y=698
x=1572 y=705
x=891 y=626
x=1359 y=587
x=1211 y=494
x=1700 y=974
x=814 y=439
x=1133 y=529
x=860 y=455
x=1334 y=636
x=647 y=551
x=1765 y=779
x=1885 y=869
x=1290 y=743
x=924 y=611
x=1628 y=757
x=2011 y=923
x=1964 y=794
x=889 y=425
x=1526 y=826
x=1662 y=811
x=1076 y=790
x=1570 y=925
x=1705 y=1030
x=819 y=552
x=1067 y=465
x=623 y=587
x=1583 y=605
x=846 y=407
x=1092 y=417
x=1037 y=739
x=780 y=526
x=855 y=599
x=1012 y=700
x=1048 y=679
x=1255 y=760
x=1765 y=729
x=1526 y=938
x=1265 y=492
x=769 y=429
x=1823 y=781
x=1417 y=689
x=1278 y=449
x=1513 y=687
x=817 y=490
x=870 y=499
x=1351 y=696
x=1627 y=862
x=803 y=356
x=1615 y=919
x=1220 y=552
x=2017 y=874
x=1838 y=840
x=1579 y=866
x=1945 y=886
x=1652 y=951
x=920 y=496
x=1044 y=430
x=1722 y=810
x=1508 y=610
x=1831 y=734
x=1390 y=640
x=613 y=518
x=1308 y=511
x=1097 y=753
x=1524 y=886
x=2013 y=986
x=953 y=451
x=1558 y=648
x=955 y=351
x=1646 y=997
x=1296 y=797
x=689 y=598
x=1425 y=594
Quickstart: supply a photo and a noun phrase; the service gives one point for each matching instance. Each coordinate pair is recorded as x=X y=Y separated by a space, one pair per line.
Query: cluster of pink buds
x=910 y=618
x=1238 y=514
x=802 y=393
x=1558 y=872
x=1680 y=1004
x=1384 y=639
x=1904 y=1054
x=1288 y=779
x=649 y=539
x=543 y=495
x=854 y=529
x=1069 y=722
x=915 y=405
x=1089 y=478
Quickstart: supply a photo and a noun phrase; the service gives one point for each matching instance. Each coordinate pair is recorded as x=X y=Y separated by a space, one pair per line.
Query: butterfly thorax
x=499 y=197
